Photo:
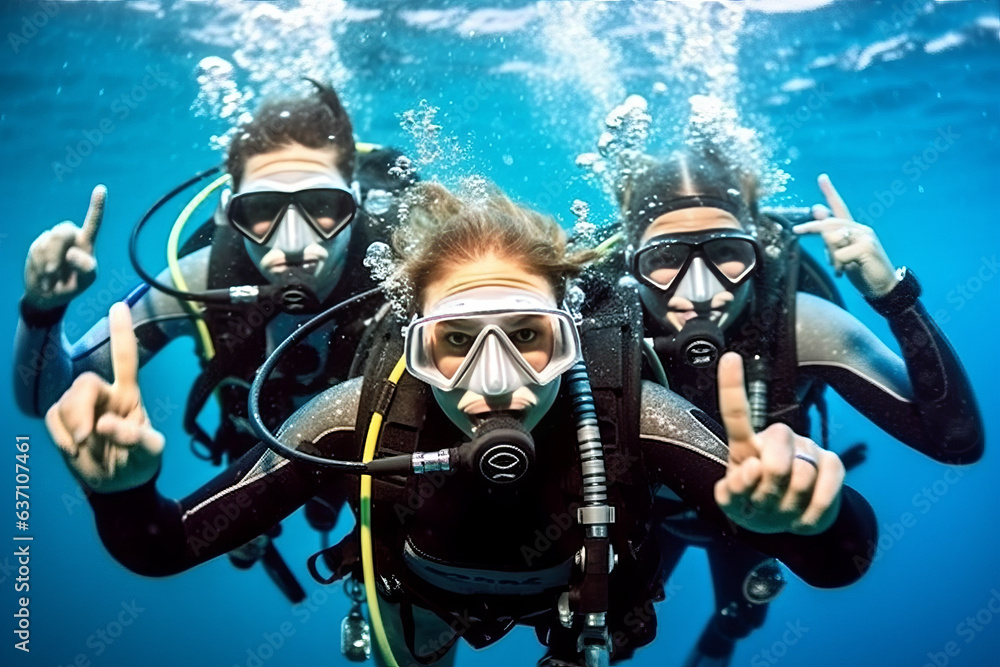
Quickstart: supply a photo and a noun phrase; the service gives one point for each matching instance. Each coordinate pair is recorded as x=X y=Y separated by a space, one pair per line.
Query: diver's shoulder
x=811 y=306
x=668 y=418
x=657 y=402
x=336 y=409
x=822 y=327
x=193 y=269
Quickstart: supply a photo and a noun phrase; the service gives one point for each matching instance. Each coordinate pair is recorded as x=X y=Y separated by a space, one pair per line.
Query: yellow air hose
x=371 y=438
x=367 y=552
x=208 y=349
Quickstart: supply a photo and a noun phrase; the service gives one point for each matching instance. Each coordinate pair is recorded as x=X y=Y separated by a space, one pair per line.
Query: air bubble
x=378 y=202
x=379 y=261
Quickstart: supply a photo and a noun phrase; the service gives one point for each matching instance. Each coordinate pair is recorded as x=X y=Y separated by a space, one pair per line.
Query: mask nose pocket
x=293 y=233
x=494 y=373
x=699 y=284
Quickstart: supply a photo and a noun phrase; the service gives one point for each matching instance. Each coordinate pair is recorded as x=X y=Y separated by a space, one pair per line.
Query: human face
x=498 y=380
x=698 y=291
x=452 y=339
x=295 y=251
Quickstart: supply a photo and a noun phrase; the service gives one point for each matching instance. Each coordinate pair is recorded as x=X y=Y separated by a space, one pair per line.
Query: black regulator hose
x=265 y=371
x=215 y=296
x=291 y=298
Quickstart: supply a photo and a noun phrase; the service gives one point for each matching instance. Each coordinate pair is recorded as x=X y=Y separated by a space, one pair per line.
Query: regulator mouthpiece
x=699 y=343
x=502 y=454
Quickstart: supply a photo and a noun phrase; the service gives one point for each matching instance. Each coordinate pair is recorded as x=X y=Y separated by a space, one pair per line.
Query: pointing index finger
x=735 y=409
x=95 y=215
x=124 y=349
x=833 y=197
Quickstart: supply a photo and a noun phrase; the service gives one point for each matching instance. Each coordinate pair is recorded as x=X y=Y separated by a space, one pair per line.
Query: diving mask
x=326 y=207
x=728 y=255
x=491 y=341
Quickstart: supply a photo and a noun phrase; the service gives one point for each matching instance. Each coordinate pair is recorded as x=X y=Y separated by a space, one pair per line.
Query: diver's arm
x=685 y=450
x=45 y=363
x=924 y=399
x=156 y=536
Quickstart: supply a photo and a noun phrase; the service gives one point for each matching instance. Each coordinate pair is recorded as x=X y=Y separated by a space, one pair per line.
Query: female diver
x=716 y=273
x=542 y=519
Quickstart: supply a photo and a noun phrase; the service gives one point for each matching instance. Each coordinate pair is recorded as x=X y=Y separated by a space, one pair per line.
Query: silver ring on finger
x=808 y=459
x=846 y=238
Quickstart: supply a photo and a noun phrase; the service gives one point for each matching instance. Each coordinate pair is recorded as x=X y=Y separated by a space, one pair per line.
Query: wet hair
x=443 y=231
x=315 y=121
x=694 y=176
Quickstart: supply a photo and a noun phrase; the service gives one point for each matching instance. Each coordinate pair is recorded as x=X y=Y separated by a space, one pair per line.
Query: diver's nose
x=494 y=373
x=293 y=234
x=699 y=284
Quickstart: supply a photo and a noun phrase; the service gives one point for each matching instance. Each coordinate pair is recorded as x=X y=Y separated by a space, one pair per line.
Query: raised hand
x=852 y=248
x=102 y=429
x=776 y=481
x=61 y=261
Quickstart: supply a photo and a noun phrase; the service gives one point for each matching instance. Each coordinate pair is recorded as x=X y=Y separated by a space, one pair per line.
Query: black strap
x=409 y=636
x=341 y=559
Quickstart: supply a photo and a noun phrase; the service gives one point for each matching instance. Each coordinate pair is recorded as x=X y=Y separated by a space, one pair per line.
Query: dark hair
x=443 y=230
x=316 y=121
x=694 y=176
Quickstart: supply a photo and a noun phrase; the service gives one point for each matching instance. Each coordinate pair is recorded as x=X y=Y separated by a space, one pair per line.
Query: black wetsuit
x=243 y=335
x=924 y=399
x=458 y=535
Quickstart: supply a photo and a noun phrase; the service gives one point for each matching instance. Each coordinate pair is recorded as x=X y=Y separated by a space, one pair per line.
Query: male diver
x=289 y=222
x=715 y=273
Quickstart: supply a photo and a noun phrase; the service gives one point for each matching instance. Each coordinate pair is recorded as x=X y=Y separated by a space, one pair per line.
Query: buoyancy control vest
x=238 y=331
x=764 y=335
x=485 y=560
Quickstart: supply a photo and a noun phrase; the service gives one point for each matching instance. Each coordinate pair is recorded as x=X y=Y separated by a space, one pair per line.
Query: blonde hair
x=443 y=231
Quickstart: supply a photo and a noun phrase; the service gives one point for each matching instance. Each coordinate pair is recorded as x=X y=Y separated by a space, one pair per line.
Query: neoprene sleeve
x=924 y=399
x=155 y=536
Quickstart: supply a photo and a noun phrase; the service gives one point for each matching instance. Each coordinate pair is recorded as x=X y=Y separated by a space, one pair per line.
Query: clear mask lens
x=492 y=353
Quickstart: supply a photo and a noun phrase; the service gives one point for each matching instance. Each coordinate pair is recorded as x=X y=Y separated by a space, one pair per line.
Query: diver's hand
x=102 y=429
x=771 y=486
x=61 y=261
x=852 y=248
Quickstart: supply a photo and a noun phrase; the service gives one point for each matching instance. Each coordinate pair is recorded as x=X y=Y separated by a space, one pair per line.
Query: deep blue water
x=860 y=90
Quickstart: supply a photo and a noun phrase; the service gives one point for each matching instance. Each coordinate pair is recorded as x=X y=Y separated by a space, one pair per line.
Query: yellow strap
x=609 y=243
x=208 y=349
x=364 y=147
x=367 y=551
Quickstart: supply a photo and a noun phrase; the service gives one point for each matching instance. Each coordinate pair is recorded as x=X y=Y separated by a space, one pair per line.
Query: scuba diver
x=715 y=273
x=288 y=230
x=496 y=479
